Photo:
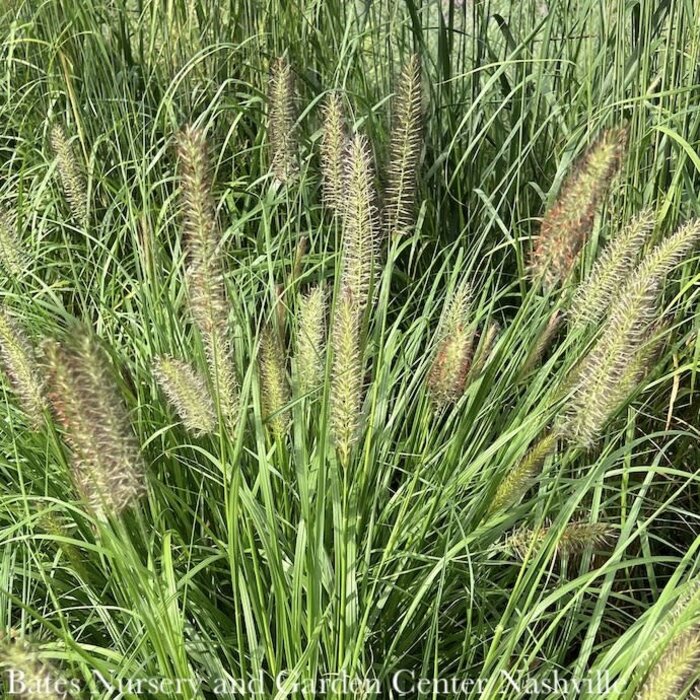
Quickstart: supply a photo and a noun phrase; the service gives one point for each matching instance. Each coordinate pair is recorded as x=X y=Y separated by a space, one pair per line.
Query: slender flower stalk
x=333 y=153
x=347 y=381
x=310 y=340
x=360 y=227
x=595 y=294
x=567 y=224
x=405 y=149
x=519 y=479
x=108 y=469
x=574 y=539
x=281 y=120
x=205 y=275
x=274 y=384
x=451 y=362
x=618 y=360
x=12 y=256
x=188 y=393
x=70 y=174
x=20 y=364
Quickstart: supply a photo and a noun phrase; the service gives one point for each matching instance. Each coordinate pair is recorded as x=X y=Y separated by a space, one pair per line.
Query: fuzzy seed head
x=567 y=224
x=333 y=150
x=451 y=363
x=575 y=539
x=188 y=393
x=69 y=172
x=20 y=364
x=519 y=479
x=281 y=120
x=360 y=225
x=273 y=381
x=543 y=342
x=594 y=295
x=108 y=469
x=347 y=381
x=406 y=141
x=12 y=256
x=34 y=678
x=310 y=340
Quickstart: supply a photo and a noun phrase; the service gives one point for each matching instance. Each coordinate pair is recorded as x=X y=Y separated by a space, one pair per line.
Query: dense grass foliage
x=348 y=344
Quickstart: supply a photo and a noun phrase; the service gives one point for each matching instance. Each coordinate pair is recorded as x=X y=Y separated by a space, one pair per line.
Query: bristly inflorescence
x=334 y=153
x=594 y=295
x=188 y=393
x=12 y=255
x=406 y=141
x=273 y=382
x=576 y=537
x=360 y=226
x=205 y=274
x=619 y=359
x=28 y=676
x=568 y=222
x=451 y=362
x=347 y=378
x=281 y=120
x=20 y=364
x=70 y=174
x=108 y=469
x=310 y=340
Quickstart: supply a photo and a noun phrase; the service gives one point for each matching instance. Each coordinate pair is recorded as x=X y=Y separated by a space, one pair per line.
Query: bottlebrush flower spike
x=405 y=149
x=676 y=666
x=575 y=539
x=360 y=225
x=12 y=256
x=616 y=362
x=273 y=381
x=69 y=172
x=205 y=275
x=280 y=128
x=567 y=224
x=595 y=294
x=519 y=480
x=310 y=339
x=188 y=393
x=333 y=150
x=20 y=364
x=543 y=342
x=108 y=469
x=28 y=674
x=347 y=380
x=452 y=360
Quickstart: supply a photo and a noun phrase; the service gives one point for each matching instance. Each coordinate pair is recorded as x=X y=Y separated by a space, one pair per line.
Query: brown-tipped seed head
x=595 y=294
x=568 y=222
x=310 y=340
x=519 y=479
x=108 y=469
x=405 y=149
x=347 y=381
x=333 y=153
x=360 y=225
x=205 y=273
x=70 y=174
x=188 y=393
x=619 y=359
x=273 y=382
x=20 y=364
x=12 y=256
x=452 y=359
x=281 y=120
x=574 y=539
x=31 y=677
